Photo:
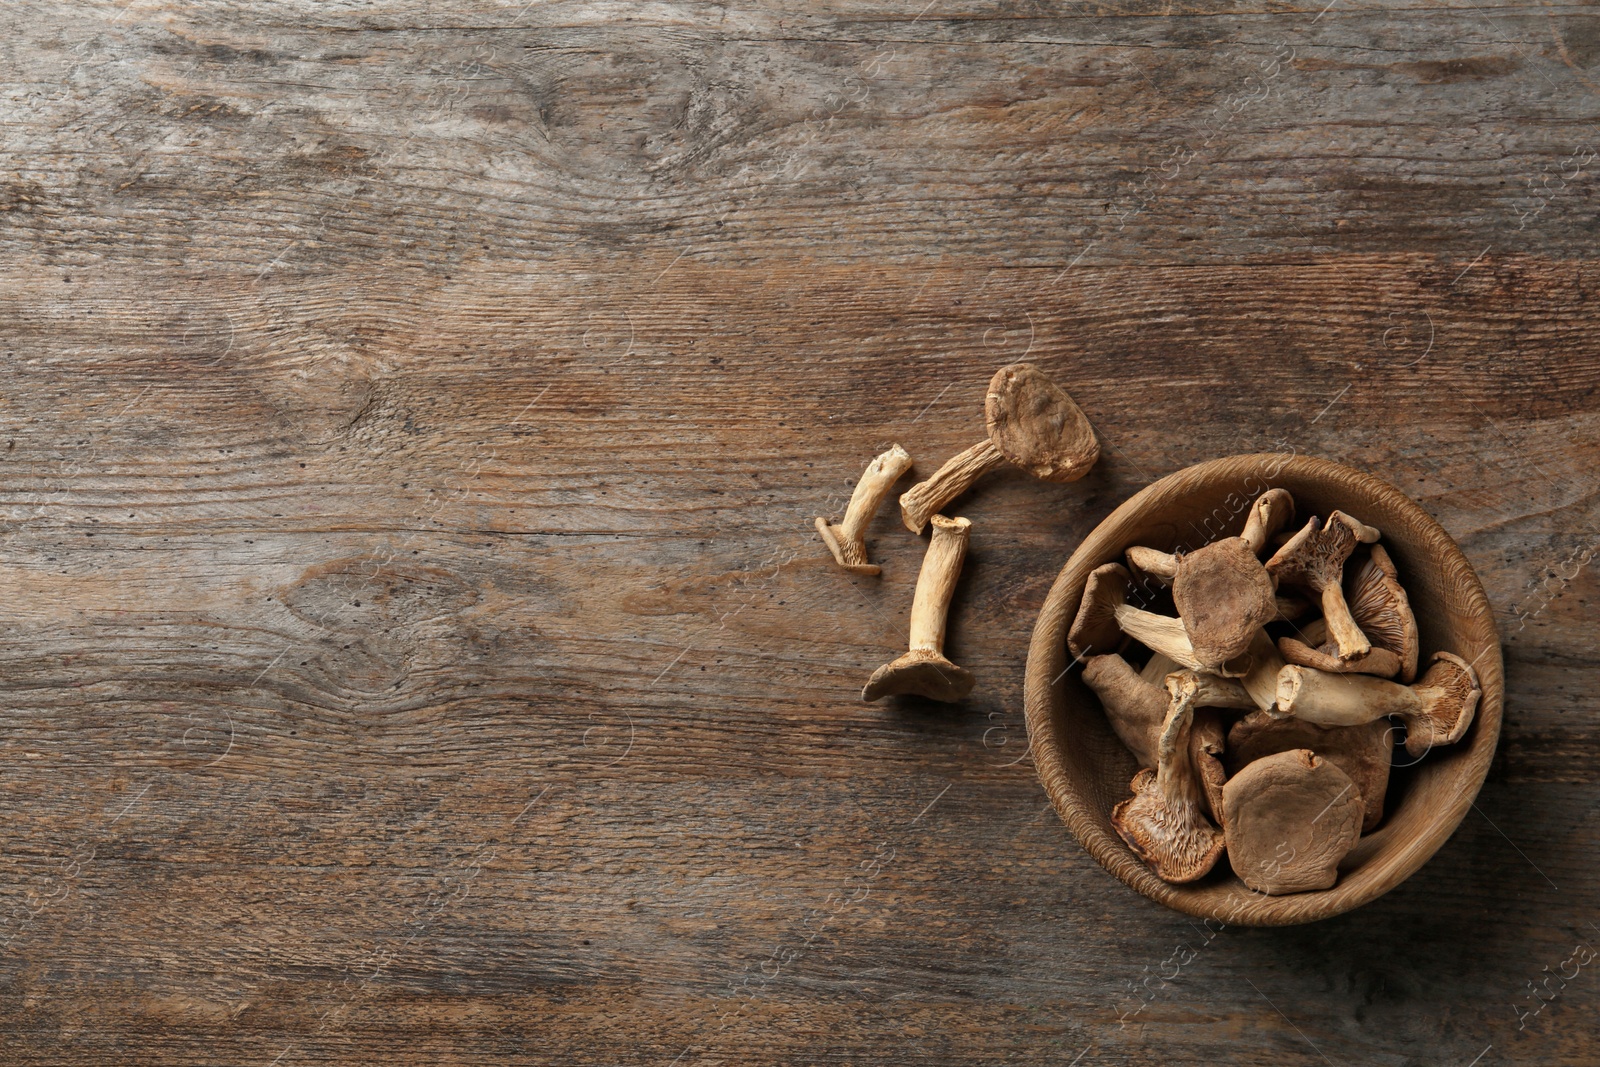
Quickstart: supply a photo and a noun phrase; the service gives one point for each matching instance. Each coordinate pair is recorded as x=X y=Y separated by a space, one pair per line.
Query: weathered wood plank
x=412 y=425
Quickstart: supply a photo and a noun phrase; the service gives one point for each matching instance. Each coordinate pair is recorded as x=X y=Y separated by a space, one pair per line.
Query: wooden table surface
x=415 y=414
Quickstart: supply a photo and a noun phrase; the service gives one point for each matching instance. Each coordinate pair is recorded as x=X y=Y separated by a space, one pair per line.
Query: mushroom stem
x=924 y=670
x=1342 y=628
x=1153 y=561
x=1166 y=635
x=924 y=499
x=847 y=540
x=1261 y=680
x=1272 y=511
x=1187 y=690
x=936 y=583
x=1436 y=711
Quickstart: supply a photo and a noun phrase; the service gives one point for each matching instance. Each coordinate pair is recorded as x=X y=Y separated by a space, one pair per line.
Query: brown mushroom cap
x=1038 y=426
x=1379 y=605
x=1179 y=844
x=921 y=672
x=1449 y=692
x=1291 y=817
x=1095 y=626
x=1223 y=595
x=1135 y=708
x=1362 y=752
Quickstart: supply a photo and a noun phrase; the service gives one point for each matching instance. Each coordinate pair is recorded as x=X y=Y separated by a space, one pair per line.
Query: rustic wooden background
x=413 y=419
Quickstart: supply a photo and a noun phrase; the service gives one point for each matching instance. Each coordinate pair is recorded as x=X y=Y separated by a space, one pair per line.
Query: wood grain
x=413 y=420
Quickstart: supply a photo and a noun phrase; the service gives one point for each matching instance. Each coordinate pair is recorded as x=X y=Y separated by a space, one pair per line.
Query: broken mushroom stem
x=1032 y=423
x=1436 y=711
x=924 y=670
x=847 y=540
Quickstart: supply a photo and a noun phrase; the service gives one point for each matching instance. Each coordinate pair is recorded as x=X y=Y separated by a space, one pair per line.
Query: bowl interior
x=1086 y=770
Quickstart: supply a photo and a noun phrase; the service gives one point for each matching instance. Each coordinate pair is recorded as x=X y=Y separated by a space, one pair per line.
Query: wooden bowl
x=1086 y=770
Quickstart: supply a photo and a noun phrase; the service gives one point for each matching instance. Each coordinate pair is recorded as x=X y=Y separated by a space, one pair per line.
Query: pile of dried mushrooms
x=1263 y=717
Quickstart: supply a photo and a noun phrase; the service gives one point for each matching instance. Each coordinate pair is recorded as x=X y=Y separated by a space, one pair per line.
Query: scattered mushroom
x=1224 y=596
x=1032 y=422
x=1362 y=752
x=1436 y=710
x=1379 y=605
x=1311 y=649
x=1314 y=558
x=847 y=540
x=924 y=670
x=1291 y=817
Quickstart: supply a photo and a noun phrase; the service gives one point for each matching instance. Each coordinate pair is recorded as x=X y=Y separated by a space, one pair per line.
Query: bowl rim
x=1044 y=696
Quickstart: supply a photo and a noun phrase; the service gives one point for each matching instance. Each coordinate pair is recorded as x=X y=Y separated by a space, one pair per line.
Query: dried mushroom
x=1314 y=558
x=1271 y=512
x=1224 y=596
x=924 y=670
x=1291 y=817
x=1436 y=710
x=1380 y=606
x=1151 y=561
x=1164 y=822
x=1135 y=708
x=1362 y=752
x=1311 y=649
x=1095 y=626
x=1032 y=422
x=1166 y=635
x=847 y=540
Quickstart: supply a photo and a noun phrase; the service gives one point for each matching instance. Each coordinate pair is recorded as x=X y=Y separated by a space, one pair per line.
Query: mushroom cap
x=1291 y=817
x=1135 y=708
x=1364 y=753
x=1449 y=692
x=840 y=552
x=1223 y=595
x=1379 y=605
x=921 y=672
x=1038 y=426
x=1315 y=556
x=1095 y=626
x=1179 y=844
